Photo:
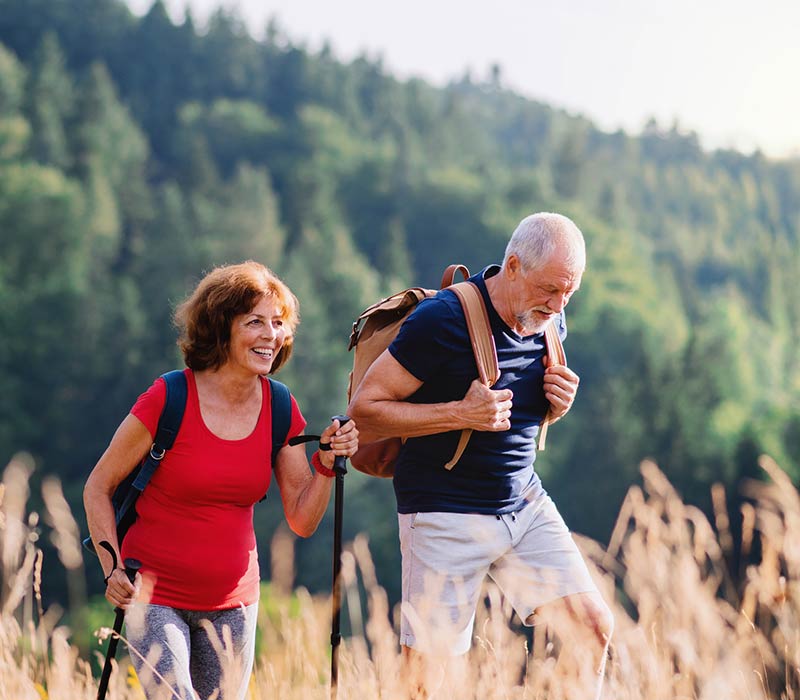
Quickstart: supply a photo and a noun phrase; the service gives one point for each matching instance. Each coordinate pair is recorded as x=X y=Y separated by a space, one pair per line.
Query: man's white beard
x=532 y=323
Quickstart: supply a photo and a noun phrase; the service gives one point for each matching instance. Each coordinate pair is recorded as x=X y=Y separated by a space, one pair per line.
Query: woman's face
x=257 y=337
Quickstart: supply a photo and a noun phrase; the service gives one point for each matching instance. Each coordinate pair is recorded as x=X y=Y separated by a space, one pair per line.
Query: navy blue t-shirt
x=495 y=474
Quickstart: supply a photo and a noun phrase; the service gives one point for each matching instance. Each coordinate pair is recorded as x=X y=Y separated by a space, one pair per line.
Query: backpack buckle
x=157 y=457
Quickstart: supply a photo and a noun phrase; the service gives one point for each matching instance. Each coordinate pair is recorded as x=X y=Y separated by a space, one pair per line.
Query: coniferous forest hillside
x=136 y=153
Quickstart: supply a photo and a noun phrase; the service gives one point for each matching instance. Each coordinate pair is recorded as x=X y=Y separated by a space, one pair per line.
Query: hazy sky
x=727 y=69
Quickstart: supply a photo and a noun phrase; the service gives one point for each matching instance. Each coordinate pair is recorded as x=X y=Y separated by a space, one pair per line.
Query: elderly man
x=490 y=514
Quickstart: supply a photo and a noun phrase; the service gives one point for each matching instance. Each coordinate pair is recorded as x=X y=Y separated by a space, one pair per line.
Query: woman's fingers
x=343 y=438
x=120 y=592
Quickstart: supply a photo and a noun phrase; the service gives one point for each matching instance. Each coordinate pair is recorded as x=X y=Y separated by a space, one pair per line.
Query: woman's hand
x=120 y=592
x=343 y=440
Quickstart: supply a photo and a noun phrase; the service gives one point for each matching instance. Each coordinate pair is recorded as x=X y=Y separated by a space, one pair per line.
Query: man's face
x=540 y=294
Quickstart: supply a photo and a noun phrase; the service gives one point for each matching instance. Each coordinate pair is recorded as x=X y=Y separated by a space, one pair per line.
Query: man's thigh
x=544 y=563
x=445 y=559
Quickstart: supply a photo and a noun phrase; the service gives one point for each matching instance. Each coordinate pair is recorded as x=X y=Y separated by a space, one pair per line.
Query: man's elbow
x=355 y=409
x=369 y=426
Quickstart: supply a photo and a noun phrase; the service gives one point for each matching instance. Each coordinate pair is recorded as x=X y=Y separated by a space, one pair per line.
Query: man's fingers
x=560 y=392
x=563 y=372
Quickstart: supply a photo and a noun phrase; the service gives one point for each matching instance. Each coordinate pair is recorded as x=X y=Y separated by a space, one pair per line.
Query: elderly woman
x=194 y=533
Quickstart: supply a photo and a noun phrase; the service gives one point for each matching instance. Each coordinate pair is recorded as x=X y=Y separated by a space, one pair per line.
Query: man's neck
x=498 y=288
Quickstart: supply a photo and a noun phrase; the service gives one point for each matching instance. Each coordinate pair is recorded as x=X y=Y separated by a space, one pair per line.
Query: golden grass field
x=684 y=628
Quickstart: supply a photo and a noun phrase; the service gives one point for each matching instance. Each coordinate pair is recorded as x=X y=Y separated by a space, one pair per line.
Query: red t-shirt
x=194 y=533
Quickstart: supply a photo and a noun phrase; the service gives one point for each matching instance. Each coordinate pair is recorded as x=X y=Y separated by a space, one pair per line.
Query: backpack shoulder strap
x=169 y=422
x=480 y=331
x=168 y=425
x=449 y=275
x=555 y=351
x=483 y=347
x=281 y=404
x=281 y=410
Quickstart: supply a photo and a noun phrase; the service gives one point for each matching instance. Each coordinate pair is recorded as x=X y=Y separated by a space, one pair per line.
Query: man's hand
x=485 y=409
x=560 y=388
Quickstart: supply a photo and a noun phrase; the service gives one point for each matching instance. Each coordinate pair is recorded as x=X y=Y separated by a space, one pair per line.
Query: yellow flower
x=133 y=679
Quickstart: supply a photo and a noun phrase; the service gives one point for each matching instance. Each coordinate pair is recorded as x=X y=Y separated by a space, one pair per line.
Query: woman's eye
x=278 y=322
x=254 y=322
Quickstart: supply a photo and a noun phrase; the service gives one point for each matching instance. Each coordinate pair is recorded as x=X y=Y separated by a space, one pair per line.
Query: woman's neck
x=228 y=383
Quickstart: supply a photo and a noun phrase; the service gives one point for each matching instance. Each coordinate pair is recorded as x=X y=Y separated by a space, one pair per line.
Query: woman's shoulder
x=150 y=404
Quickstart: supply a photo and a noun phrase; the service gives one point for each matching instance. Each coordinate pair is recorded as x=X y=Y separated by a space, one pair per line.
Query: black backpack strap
x=168 y=426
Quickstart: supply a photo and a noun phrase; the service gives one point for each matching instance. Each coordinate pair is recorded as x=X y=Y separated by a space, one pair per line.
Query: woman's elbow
x=303 y=521
x=96 y=492
x=302 y=528
x=90 y=493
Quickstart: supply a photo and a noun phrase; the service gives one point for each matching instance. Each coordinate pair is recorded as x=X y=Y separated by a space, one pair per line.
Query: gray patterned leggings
x=196 y=652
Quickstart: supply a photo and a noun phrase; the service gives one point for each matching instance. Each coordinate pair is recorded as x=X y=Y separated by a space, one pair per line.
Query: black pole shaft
x=336 y=637
x=110 y=654
x=340 y=468
x=131 y=567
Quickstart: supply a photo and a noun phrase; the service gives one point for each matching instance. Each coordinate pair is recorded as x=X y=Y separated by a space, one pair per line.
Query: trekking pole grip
x=339 y=463
x=132 y=566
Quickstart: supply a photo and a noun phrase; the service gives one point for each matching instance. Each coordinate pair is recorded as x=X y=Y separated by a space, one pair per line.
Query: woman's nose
x=269 y=331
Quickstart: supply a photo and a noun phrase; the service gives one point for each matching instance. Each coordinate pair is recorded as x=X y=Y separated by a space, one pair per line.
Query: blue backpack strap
x=168 y=425
x=281 y=408
x=281 y=405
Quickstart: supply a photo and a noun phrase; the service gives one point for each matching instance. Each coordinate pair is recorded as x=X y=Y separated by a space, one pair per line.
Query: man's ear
x=513 y=266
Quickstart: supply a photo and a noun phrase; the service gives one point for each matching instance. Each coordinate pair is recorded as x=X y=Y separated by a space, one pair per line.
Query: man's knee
x=581 y=614
x=600 y=618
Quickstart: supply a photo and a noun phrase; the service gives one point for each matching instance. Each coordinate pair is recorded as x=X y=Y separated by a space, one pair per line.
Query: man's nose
x=557 y=302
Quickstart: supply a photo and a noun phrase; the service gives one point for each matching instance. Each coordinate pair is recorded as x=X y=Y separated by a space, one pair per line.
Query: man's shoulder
x=436 y=321
x=443 y=307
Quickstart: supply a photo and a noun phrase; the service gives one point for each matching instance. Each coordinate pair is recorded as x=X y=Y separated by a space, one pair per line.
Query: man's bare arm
x=380 y=408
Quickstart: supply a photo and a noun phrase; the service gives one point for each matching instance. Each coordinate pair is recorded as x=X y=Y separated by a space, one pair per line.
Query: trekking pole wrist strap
x=105 y=544
x=300 y=439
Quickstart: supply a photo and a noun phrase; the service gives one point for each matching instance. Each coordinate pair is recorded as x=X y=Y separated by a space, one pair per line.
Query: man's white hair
x=538 y=236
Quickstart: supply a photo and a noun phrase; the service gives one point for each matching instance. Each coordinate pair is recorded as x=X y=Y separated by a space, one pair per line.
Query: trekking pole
x=131 y=567
x=340 y=468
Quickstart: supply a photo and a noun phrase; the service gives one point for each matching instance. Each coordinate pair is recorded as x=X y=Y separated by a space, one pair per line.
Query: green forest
x=136 y=153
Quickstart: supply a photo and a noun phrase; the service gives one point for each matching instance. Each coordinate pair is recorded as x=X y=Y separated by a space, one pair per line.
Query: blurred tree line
x=136 y=153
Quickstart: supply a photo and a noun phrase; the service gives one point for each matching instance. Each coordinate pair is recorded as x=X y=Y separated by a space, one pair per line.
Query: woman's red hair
x=206 y=317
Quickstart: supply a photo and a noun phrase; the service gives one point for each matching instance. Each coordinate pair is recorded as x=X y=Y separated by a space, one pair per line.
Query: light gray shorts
x=529 y=554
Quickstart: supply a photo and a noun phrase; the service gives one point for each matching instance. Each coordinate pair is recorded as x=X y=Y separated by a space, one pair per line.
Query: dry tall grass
x=684 y=629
